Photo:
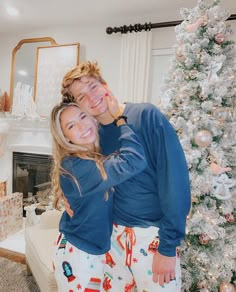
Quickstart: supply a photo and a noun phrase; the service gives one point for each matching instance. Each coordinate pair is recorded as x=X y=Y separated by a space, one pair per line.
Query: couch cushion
x=39 y=253
x=50 y=219
x=41 y=241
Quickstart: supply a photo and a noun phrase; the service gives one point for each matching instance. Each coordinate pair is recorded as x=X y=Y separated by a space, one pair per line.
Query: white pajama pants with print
x=76 y=270
x=129 y=261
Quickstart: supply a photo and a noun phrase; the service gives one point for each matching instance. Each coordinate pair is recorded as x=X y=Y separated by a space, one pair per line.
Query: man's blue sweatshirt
x=160 y=194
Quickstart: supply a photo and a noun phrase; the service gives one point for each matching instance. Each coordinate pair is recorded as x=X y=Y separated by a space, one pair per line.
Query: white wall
x=95 y=44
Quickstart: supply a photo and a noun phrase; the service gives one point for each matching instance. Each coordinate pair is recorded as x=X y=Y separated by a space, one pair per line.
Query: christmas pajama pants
x=129 y=261
x=76 y=270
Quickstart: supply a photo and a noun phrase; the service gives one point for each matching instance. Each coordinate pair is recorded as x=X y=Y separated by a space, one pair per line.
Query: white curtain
x=136 y=50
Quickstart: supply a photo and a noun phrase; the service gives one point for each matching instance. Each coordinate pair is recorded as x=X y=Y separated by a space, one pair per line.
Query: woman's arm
x=119 y=167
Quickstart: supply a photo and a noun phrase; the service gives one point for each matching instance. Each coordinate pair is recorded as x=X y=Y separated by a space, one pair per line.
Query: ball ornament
x=227 y=287
x=203 y=138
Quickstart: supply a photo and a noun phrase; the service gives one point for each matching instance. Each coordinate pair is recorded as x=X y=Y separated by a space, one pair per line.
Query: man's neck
x=106 y=118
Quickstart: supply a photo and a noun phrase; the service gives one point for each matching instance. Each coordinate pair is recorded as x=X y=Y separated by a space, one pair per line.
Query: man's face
x=89 y=94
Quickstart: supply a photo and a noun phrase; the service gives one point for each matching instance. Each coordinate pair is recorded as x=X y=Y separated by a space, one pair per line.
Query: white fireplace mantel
x=24 y=135
x=27 y=124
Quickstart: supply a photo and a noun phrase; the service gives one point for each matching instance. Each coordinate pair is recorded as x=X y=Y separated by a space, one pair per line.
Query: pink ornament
x=203 y=138
x=219 y=38
x=193 y=27
x=230 y=218
x=227 y=287
x=217 y=169
x=204 y=239
x=179 y=54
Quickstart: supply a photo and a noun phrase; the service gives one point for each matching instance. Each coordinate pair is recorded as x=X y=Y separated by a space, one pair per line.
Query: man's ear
x=100 y=79
x=104 y=84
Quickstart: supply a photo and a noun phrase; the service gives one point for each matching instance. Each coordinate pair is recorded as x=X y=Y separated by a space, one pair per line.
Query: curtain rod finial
x=109 y=30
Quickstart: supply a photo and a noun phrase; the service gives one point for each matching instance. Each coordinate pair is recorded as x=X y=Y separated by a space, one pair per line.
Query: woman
x=85 y=177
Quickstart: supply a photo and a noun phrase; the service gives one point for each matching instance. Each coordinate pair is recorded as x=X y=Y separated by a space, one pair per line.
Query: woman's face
x=77 y=127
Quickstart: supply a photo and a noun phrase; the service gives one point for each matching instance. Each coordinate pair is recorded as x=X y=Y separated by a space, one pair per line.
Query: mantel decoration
x=4 y=101
x=52 y=64
x=23 y=104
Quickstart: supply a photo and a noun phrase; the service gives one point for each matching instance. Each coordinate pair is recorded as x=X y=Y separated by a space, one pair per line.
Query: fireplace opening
x=31 y=176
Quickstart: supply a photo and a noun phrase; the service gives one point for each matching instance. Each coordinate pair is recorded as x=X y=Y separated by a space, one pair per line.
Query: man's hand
x=67 y=207
x=163 y=268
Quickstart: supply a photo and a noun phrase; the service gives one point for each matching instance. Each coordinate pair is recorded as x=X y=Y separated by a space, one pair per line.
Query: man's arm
x=174 y=193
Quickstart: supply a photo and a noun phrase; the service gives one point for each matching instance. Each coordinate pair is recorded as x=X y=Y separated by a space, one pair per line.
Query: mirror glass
x=24 y=61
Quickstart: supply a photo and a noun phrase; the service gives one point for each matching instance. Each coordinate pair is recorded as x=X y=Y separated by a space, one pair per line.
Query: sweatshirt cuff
x=167 y=250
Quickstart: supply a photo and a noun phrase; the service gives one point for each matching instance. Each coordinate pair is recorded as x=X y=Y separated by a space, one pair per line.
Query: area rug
x=13 y=277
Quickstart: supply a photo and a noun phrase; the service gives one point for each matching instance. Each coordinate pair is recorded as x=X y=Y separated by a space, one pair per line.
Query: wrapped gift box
x=11 y=214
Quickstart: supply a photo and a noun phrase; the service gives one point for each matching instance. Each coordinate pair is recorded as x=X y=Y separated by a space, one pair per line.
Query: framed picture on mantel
x=52 y=64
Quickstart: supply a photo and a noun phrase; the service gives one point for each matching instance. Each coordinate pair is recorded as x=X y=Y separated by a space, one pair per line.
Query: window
x=160 y=63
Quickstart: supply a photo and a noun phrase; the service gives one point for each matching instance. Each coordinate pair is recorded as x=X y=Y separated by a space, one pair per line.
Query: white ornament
x=221 y=187
x=214 y=68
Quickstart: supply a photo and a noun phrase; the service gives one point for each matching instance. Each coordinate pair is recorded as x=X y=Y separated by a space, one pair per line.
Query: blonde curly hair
x=84 y=69
x=63 y=148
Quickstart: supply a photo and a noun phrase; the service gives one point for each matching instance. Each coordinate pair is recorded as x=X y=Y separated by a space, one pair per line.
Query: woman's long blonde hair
x=63 y=148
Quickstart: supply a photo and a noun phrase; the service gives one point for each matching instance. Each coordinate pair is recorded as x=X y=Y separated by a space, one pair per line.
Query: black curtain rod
x=148 y=26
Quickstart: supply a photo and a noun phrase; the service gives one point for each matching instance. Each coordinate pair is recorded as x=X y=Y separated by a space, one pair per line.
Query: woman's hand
x=113 y=106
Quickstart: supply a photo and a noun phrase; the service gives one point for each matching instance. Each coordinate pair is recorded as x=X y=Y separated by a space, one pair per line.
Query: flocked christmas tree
x=199 y=98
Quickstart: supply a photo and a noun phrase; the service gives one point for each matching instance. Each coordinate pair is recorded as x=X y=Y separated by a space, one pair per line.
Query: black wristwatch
x=119 y=118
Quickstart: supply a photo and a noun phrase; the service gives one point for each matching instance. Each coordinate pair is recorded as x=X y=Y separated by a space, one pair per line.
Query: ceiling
x=41 y=14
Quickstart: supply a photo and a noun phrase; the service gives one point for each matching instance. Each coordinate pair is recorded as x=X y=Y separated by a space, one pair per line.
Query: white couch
x=39 y=240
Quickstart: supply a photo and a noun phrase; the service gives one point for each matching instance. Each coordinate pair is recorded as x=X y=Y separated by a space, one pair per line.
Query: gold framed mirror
x=24 y=57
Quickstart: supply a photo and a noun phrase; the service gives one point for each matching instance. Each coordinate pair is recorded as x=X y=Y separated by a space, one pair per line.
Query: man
x=150 y=209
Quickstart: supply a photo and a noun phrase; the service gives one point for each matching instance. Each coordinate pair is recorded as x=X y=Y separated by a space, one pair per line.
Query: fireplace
x=31 y=174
